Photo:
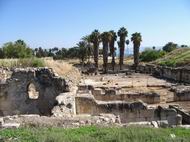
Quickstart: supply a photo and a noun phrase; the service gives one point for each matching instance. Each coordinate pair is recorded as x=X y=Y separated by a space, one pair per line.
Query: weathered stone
x=163 y=123
x=155 y=124
x=30 y=91
x=11 y=125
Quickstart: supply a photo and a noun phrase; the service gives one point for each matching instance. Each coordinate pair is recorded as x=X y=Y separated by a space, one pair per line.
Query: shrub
x=151 y=55
x=170 y=46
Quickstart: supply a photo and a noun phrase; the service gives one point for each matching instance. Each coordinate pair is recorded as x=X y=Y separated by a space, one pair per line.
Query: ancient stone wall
x=113 y=95
x=128 y=112
x=177 y=74
x=30 y=91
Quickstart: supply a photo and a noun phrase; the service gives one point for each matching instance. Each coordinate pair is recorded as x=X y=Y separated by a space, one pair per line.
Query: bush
x=37 y=62
x=170 y=46
x=151 y=55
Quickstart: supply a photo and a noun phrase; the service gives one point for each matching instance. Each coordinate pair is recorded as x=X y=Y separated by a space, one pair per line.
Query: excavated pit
x=129 y=98
x=134 y=98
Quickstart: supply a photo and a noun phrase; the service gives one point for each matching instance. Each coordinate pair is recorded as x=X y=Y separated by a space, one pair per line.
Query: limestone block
x=155 y=124
x=97 y=91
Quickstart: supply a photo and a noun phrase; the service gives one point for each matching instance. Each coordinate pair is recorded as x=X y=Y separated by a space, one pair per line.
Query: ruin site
x=151 y=96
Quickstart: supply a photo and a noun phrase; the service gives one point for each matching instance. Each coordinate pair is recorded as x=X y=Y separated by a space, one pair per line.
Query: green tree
x=40 y=53
x=18 y=49
x=2 y=55
x=112 y=47
x=122 y=33
x=82 y=45
x=151 y=54
x=170 y=46
x=136 y=39
x=95 y=39
x=73 y=52
x=88 y=46
x=106 y=37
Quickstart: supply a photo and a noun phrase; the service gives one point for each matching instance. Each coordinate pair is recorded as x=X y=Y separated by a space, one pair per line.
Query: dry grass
x=64 y=69
x=60 y=67
x=127 y=60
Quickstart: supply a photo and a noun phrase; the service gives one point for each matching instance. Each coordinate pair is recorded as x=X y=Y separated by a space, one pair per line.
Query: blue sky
x=61 y=23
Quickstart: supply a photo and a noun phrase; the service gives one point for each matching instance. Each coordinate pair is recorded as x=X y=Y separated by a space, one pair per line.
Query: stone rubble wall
x=113 y=95
x=176 y=74
x=128 y=112
x=185 y=115
x=182 y=75
x=15 y=90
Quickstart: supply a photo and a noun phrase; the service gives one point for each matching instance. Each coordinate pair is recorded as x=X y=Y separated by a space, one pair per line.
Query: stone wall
x=177 y=74
x=128 y=112
x=30 y=91
x=181 y=92
x=114 y=94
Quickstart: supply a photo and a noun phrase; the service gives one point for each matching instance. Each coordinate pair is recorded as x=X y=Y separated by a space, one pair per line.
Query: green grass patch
x=95 y=134
x=176 y=58
x=25 y=62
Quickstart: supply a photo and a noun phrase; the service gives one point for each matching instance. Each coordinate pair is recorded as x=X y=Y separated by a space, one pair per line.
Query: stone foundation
x=176 y=74
x=129 y=96
x=128 y=112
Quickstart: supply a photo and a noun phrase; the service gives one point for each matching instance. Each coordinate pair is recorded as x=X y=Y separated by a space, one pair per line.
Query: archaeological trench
x=155 y=96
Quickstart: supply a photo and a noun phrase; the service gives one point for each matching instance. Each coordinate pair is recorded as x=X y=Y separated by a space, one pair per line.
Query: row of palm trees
x=108 y=40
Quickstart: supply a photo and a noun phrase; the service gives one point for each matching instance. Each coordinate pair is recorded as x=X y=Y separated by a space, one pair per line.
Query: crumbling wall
x=113 y=95
x=128 y=112
x=177 y=74
x=30 y=91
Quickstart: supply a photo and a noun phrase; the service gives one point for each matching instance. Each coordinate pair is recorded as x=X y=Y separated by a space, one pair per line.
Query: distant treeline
x=19 y=49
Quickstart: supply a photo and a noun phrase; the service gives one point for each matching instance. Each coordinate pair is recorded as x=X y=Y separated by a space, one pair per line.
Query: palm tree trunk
x=136 y=56
x=121 y=57
x=96 y=53
x=112 y=51
x=105 y=56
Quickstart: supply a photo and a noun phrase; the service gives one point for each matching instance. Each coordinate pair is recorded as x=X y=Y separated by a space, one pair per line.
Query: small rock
x=82 y=122
x=155 y=124
x=118 y=120
x=11 y=125
x=172 y=136
x=76 y=124
x=1 y=122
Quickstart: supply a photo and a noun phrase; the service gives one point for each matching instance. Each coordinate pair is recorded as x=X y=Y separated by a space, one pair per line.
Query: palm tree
x=122 y=33
x=136 y=39
x=106 y=36
x=95 y=39
x=112 y=47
